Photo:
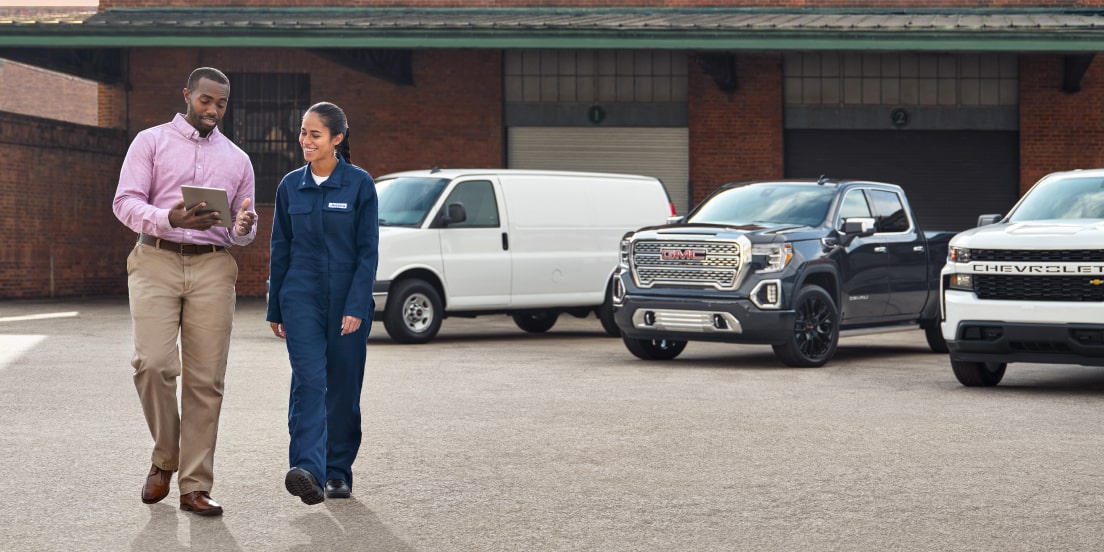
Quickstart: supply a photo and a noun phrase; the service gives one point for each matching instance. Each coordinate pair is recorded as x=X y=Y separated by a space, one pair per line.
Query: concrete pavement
x=492 y=439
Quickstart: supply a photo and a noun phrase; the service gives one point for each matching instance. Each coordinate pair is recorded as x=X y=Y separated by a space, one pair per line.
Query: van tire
x=815 y=334
x=414 y=312
x=605 y=315
x=654 y=349
x=537 y=321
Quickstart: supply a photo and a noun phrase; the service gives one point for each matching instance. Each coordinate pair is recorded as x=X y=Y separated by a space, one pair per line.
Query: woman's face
x=316 y=140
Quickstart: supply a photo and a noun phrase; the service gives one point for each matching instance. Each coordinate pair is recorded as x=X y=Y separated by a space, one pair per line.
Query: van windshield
x=405 y=201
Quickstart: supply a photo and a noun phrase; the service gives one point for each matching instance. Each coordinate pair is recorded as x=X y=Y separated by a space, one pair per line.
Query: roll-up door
x=658 y=152
x=950 y=177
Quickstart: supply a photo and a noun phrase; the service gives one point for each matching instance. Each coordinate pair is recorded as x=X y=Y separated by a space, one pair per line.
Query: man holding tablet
x=182 y=282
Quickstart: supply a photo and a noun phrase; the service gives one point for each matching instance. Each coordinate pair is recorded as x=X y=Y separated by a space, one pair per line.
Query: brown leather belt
x=182 y=248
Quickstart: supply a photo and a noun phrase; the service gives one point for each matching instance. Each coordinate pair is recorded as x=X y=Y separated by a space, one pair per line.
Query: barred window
x=586 y=76
x=263 y=119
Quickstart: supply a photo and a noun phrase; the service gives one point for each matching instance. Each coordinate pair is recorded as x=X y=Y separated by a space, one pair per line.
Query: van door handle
x=880 y=249
x=505 y=242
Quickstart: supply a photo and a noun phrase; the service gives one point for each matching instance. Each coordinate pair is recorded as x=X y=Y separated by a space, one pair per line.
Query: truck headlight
x=626 y=251
x=959 y=255
x=772 y=257
x=961 y=281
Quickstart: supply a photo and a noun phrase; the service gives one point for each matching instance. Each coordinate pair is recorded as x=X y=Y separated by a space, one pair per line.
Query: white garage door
x=658 y=152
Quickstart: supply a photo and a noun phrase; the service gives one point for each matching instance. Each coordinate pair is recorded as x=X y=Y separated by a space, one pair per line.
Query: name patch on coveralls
x=339 y=206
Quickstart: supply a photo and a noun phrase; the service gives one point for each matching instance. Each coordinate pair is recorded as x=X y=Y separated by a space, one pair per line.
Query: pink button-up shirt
x=164 y=158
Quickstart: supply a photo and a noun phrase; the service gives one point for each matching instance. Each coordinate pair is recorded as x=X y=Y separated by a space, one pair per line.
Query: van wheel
x=414 y=312
x=934 y=334
x=654 y=349
x=605 y=315
x=535 y=321
x=978 y=374
x=816 y=330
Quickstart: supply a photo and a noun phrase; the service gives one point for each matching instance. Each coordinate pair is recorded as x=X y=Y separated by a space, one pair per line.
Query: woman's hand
x=278 y=330
x=349 y=324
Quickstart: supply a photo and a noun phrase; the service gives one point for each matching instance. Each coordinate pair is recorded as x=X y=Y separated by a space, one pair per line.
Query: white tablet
x=215 y=198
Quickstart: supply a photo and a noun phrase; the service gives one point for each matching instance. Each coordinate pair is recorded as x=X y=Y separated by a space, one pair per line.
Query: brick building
x=964 y=103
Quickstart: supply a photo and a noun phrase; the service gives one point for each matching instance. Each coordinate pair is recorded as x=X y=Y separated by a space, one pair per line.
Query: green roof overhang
x=720 y=29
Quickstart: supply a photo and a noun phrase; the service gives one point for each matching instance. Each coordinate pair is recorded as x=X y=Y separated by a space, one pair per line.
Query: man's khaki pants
x=190 y=297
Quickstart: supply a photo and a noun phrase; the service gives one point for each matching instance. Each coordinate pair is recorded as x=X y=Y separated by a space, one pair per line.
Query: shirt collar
x=335 y=179
x=188 y=131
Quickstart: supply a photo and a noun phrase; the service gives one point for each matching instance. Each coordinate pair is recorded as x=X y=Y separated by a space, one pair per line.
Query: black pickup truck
x=790 y=263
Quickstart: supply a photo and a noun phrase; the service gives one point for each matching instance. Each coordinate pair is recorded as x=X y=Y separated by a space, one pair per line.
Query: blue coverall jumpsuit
x=325 y=241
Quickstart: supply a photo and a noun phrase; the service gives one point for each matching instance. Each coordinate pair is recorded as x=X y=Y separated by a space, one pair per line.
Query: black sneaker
x=336 y=488
x=302 y=484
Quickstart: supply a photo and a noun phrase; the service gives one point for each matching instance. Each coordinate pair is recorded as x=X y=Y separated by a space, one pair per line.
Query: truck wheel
x=414 y=312
x=535 y=321
x=654 y=349
x=816 y=330
x=605 y=315
x=934 y=334
x=978 y=374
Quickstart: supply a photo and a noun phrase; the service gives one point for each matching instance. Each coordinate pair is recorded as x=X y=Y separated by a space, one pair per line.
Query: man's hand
x=243 y=223
x=182 y=217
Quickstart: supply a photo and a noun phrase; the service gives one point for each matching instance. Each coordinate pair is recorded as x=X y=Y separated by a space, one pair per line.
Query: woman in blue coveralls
x=325 y=237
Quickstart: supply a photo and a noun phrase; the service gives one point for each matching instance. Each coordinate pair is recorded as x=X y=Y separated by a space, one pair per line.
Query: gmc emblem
x=682 y=254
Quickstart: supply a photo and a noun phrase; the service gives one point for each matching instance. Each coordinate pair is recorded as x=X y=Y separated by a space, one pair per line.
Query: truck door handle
x=880 y=249
x=505 y=242
x=918 y=248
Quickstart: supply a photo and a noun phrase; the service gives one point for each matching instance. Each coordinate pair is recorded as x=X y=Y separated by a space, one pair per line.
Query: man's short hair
x=206 y=73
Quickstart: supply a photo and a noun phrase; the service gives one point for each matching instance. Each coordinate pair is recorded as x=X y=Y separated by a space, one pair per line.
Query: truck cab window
x=889 y=212
x=854 y=206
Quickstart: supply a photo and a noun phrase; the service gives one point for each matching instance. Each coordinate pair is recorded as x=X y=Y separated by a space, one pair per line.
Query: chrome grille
x=1038 y=288
x=719 y=267
x=1038 y=255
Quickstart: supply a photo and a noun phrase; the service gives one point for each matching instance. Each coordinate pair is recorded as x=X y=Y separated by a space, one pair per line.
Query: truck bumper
x=737 y=321
x=1023 y=331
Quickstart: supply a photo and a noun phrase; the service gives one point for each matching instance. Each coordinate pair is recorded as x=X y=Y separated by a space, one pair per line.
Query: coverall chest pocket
x=301 y=219
x=338 y=217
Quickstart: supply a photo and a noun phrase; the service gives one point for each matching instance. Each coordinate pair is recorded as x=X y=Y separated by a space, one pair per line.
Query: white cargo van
x=531 y=244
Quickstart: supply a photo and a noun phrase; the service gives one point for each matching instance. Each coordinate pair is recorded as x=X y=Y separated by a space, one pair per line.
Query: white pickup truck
x=1029 y=287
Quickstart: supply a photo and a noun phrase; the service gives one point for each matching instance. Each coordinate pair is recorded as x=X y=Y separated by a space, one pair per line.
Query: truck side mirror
x=985 y=220
x=456 y=214
x=858 y=227
x=676 y=219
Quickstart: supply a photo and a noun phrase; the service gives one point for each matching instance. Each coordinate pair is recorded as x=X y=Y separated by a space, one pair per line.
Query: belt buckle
x=182 y=249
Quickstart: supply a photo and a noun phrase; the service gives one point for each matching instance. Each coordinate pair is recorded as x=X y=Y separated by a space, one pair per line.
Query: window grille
x=263 y=119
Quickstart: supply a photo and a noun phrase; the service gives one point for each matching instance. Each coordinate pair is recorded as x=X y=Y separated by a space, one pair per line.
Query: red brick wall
x=1058 y=131
x=737 y=135
x=452 y=117
x=605 y=3
x=23 y=88
x=57 y=181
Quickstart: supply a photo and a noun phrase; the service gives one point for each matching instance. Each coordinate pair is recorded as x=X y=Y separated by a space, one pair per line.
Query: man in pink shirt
x=182 y=283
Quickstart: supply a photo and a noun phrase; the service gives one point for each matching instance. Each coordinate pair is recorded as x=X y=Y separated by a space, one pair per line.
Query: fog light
x=719 y=322
x=962 y=281
x=767 y=294
x=649 y=318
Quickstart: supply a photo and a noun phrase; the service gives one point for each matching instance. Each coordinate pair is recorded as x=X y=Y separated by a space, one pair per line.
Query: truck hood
x=755 y=232
x=1035 y=234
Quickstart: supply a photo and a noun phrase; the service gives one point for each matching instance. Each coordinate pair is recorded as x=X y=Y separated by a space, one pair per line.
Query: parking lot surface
x=489 y=438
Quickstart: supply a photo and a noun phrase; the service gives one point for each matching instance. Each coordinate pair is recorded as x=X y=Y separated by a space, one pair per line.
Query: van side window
x=478 y=199
x=889 y=212
x=854 y=206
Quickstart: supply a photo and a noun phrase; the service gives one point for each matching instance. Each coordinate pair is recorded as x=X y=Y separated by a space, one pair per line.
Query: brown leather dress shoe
x=157 y=485
x=200 y=502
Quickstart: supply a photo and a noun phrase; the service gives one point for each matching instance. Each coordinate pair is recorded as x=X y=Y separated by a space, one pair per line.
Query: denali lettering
x=1039 y=269
x=682 y=254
